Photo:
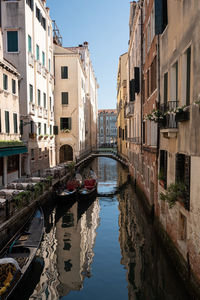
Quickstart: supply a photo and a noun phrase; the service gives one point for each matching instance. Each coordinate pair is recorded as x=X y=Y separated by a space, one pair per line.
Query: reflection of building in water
x=49 y=278
x=76 y=238
x=107 y=170
x=149 y=272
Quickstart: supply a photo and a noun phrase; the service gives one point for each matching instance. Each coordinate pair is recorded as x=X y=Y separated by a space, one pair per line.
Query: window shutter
x=15 y=123
x=12 y=41
x=55 y=130
x=7 y=123
x=64 y=97
x=70 y=123
x=137 y=79
x=188 y=76
x=132 y=90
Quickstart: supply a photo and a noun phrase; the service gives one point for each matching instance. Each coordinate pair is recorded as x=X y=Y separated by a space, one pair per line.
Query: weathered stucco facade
x=121 y=104
x=180 y=135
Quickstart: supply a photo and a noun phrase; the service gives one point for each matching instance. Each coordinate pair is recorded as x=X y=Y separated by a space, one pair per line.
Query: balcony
x=44 y=72
x=31 y=108
x=45 y=113
x=169 y=124
x=129 y=110
x=135 y=140
x=51 y=115
x=31 y=59
x=40 y=112
x=39 y=67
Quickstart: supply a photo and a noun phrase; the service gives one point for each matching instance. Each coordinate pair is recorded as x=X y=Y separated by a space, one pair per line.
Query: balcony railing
x=169 y=120
x=135 y=140
x=129 y=110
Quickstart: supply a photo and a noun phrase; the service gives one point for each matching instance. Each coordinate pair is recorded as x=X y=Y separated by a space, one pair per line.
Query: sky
x=104 y=25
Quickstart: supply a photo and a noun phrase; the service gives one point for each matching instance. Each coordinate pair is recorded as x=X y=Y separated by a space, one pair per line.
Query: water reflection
x=117 y=258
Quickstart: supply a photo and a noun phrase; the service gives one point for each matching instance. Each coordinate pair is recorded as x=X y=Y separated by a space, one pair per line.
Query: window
x=13 y=86
x=64 y=98
x=65 y=123
x=30 y=93
x=0 y=120
x=38 y=97
x=43 y=22
x=45 y=128
x=163 y=167
x=148 y=85
x=7 y=122
x=39 y=128
x=37 y=52
x=50 y=103
x=12 y=41
x=30 y=3
x=38 y=14
x=29 y=44
x=45 y=100
x=49 y=65
x=183 y=166
x=43 y=58
x=154 y=75
x=5 y=82
x=188 y=53
x=165 y=88
x=50 y=129
x=32 y=154
x=15 y=123
x=174 y=82
x=32 y=127
x=161 y=16
x=64 y=72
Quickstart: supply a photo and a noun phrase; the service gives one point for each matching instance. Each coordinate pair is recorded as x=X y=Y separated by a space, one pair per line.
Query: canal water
x=102 y=249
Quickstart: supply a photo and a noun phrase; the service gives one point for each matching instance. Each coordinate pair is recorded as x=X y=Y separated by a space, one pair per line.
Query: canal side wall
x=181 y=262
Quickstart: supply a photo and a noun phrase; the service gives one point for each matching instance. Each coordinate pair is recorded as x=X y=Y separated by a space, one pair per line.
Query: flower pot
x=182 y=116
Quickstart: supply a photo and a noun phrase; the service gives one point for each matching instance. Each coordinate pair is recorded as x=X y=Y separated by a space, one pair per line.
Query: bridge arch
x=65 y=153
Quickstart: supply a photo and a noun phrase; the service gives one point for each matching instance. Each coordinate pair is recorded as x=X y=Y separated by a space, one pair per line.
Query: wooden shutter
x=188 y=76
x=7 y=123
x=132 y=90
x=69 y=123
x=161 y=16
x=15 y=123
x=55 y=130
x=137 y=79
x=165 y=88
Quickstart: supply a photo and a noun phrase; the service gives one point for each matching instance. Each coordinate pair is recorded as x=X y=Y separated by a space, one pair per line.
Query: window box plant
x=65 y=130
x=40 y=136
x=46 y=136
x=175 y=192
x=182 y=116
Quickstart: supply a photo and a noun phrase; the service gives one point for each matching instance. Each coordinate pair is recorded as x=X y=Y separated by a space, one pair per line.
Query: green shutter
x=37 y=52
x=5 y=82
x=188 y=76
x=15 y=123
x=29 y=44
x=12 y=41
x=38 y=97
x=64 y=72
x=13 y=86
x=31 y=92
x=64 y=98
x=165 y=88
x=43 y=58
x=7 y=122
x=44 y=96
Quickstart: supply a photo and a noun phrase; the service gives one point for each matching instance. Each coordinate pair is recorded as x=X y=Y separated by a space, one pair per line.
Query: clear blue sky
x=104 y=25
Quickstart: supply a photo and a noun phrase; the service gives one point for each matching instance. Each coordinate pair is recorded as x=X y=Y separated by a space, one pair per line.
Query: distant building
x=107 y=127
x=75 y=102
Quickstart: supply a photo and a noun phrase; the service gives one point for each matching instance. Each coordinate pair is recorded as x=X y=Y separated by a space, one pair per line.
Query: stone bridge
x=99 y=152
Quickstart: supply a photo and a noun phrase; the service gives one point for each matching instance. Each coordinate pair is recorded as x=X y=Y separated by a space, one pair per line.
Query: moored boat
x=68 y=192
x=89 y=190
x=17 y=255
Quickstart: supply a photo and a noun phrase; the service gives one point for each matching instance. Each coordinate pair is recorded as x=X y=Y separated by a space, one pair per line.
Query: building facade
x=11 y=148
x=32 y=55
x=149 y=101
x=107 y=127
x=75 y=102
x=121 y=104
x=179 y=158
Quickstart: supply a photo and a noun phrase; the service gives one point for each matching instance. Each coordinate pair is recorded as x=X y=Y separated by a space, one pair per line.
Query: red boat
x=89 y=190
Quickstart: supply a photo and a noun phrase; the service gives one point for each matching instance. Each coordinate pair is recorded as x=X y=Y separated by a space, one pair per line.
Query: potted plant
x=175 y=192
x=51 y=136
x=182 y=114
x=46 y=136
x=40 y=136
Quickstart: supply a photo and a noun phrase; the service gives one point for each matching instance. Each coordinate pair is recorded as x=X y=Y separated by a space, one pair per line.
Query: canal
x=102 y=249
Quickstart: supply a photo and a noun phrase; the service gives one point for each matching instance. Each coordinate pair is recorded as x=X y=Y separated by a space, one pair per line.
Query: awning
x=8 y=151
